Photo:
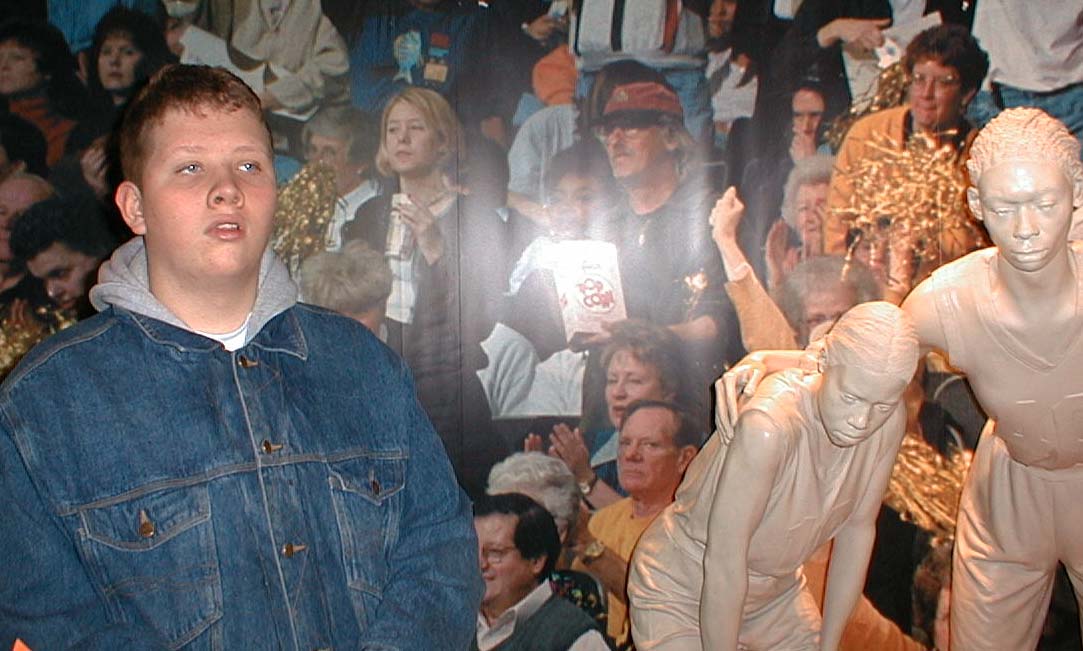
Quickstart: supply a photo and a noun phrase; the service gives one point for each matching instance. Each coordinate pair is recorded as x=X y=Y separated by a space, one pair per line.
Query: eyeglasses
x=496 y=555
x=630 y=125
x=941 y=83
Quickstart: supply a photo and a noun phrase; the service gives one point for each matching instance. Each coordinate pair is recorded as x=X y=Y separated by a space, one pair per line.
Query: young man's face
x=1026 y=206
x=206 y=200
x=67 y=274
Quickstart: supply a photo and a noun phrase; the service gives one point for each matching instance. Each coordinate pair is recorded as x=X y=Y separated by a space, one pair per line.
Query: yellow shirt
x=618 y=529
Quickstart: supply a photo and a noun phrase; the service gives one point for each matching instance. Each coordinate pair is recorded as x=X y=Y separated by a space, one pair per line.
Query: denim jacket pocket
x=156 y=559
x=361 y=489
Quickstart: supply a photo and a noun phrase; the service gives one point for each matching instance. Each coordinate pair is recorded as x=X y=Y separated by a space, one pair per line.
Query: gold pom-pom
x=306 y=204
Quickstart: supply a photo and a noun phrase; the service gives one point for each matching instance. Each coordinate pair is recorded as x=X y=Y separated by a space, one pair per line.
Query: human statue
x=1011 y=318
x=808 y=462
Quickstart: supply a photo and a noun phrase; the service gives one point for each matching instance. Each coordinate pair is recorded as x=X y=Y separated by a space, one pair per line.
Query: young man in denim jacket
x=208 y=464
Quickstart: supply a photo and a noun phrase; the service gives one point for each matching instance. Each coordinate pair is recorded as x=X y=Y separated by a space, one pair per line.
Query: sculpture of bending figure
x=720 y=568
x=1011 y=318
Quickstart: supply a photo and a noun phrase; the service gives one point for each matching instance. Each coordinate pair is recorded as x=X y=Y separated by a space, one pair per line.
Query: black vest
x=554 y=627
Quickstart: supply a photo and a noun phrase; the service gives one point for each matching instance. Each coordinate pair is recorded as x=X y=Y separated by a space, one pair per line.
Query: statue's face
x=1026 y=206
x=854 y=403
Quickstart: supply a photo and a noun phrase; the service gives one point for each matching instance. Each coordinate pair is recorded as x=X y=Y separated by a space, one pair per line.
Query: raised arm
x=739 y=504
x=853 y=543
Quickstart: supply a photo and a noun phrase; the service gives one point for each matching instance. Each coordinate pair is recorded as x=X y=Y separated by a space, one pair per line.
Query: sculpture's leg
x=1005 y=553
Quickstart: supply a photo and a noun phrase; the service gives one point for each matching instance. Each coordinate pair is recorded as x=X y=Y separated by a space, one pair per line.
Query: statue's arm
x=739 y=504
x=853 y=543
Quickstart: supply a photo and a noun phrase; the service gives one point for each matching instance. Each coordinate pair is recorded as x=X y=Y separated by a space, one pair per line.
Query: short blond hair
x=1025 y=133
x=439 y=117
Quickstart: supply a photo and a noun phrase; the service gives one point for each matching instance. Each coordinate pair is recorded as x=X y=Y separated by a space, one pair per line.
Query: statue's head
x=867 y=360
x=1026 y=178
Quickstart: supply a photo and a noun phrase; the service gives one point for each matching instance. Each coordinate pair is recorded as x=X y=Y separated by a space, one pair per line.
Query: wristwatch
x=593 y=551
x=585 y=487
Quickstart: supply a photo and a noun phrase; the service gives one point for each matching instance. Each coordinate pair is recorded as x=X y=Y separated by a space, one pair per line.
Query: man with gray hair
x=355 y=281
x=344 y=138
x=545 y=479
x=820 y=290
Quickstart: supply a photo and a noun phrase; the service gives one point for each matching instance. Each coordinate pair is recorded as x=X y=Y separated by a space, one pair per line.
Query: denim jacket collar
x=282 y=334
x=123 y=282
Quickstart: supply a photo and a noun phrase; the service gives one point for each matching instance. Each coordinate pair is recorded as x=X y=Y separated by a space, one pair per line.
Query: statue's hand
x=731 y=390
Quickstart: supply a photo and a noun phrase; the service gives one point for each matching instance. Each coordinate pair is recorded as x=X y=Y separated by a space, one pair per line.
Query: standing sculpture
x=1011 y=318
x=720 y=568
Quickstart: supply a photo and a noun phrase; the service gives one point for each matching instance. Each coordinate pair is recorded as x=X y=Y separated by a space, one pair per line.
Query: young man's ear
x=130 y=202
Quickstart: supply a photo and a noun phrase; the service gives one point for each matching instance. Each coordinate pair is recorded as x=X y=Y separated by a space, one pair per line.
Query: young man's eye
x=250 y=167
x=190 y=168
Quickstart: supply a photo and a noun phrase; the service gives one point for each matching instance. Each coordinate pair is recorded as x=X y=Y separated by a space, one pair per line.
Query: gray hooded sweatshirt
x=123 y=282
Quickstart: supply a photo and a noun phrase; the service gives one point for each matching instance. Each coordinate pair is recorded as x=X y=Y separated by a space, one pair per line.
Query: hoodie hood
x=123 y=282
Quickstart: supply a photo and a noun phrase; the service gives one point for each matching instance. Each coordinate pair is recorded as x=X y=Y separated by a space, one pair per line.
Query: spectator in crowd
x=293 y=74
x=22 y=145
x=441 y=258
x=946 y=67
x=354 y=281
x=440 y=45
x=657 y=442
x=549 y=482
x=1035 y=59
x=267 y=540
x=671 y=274
x=819 y=291
x=731 y=74
x=61 y=242
x=641 y=362
x=18 y=191
x=128 y=47
x=345 y=139
x=77 y=20
x=556 y=128
x=764 y=177
x=518 y=547
x=799 y=234
x=669 y=38
x=815 y=293
x=532 y=370
x=38 y=82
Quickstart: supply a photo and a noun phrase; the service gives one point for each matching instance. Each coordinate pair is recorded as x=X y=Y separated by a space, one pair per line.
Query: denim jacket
x=160 y=492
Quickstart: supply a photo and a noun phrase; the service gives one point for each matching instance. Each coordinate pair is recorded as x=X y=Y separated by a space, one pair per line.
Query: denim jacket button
x=270 y=448
x=244 y=362
x=289 y=549
x=146 y=525
x=375 y=487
